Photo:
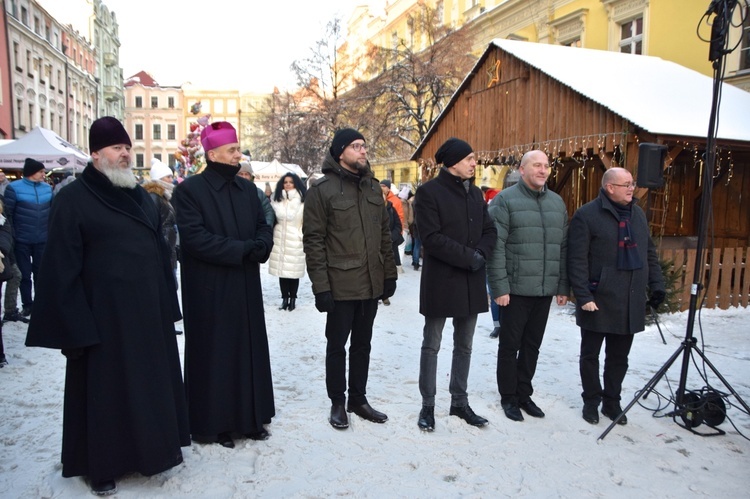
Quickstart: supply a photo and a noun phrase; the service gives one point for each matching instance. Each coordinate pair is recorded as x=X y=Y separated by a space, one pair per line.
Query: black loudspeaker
x=651 y=165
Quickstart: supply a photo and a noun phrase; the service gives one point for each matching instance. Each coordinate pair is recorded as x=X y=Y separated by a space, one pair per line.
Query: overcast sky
x=212 y=44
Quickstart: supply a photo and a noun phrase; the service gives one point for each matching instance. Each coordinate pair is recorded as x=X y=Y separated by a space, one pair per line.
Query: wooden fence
x=726 y=281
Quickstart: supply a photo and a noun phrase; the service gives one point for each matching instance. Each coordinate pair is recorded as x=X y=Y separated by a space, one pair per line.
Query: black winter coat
x=620 y=295
x=105 y=286
x=453 y=224
x=227 y=365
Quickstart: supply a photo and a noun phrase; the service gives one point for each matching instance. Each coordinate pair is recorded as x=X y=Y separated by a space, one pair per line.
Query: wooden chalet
x=590 y=110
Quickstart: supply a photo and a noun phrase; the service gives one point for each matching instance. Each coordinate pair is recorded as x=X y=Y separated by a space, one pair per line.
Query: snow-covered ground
x=558 y=456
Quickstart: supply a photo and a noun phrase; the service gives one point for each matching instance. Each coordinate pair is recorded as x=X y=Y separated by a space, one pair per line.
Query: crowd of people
x=79 y=254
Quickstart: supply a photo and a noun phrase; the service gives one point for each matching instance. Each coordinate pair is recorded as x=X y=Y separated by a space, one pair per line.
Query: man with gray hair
x=125 y=409
x=611 y=262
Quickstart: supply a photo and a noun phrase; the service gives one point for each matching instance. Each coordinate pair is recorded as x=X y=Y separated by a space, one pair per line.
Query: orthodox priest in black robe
x=223 y=239
x=106 y=297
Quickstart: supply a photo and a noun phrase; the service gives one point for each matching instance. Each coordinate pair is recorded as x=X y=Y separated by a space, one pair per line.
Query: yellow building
x=660 y=28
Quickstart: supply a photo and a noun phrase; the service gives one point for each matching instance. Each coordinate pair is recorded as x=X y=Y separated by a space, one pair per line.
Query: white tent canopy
x=273 y=171
x=44 y=146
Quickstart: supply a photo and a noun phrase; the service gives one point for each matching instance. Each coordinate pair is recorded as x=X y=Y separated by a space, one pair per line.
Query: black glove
x=389 y=288
x=324 y=302
x=72 y=353
x=477 y=261
x=656 y=299
x=258 y=253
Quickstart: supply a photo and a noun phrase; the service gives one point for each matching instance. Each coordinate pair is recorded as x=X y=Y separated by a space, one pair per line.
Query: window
x=24 y=16
x=171 y=132
x=15 y=56
x=170 y=102
x=170 y=160
x=28 y=63
x=157 y=132
x=154 y=102
x=19 y=108
x=138 y=131
x=139 y=160
x=138 y=101
x=745 y=50
x=157 y=156
x=31 y=116
x=631 y=36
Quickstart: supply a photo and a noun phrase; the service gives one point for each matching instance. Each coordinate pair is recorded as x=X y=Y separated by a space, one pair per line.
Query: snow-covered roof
x=659 y=96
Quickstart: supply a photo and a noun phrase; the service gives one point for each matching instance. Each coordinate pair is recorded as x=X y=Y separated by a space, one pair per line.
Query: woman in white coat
x=287 y=260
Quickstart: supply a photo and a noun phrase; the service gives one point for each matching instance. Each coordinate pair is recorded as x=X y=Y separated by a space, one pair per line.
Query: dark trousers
x=396 y=254
x=28 y=258
x=615 y=365
x=522 y=326
x=288 y=287
x=355 y=317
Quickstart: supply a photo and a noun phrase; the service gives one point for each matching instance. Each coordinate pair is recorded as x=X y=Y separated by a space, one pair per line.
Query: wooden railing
x=726 y=278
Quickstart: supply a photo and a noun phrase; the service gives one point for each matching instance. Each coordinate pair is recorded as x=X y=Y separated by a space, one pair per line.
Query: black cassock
x=227 y=366
x=105 y=286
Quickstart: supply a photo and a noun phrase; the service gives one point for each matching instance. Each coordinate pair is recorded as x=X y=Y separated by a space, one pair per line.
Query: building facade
x=104 y=31
x=51 y=74
x=154 y=119
x=6 y=101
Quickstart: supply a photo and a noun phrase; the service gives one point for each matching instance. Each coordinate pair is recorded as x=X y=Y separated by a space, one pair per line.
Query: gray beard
x=118 y=176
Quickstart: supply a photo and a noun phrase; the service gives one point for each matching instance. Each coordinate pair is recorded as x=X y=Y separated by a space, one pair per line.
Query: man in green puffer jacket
x=526 y=270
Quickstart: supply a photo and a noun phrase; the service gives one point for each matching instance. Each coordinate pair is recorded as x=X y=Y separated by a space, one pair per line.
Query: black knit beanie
x=343 y=138
x=452 y=151
x=31 y=166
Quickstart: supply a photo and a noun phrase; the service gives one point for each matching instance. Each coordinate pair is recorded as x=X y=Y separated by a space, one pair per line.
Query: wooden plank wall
x=726 y=279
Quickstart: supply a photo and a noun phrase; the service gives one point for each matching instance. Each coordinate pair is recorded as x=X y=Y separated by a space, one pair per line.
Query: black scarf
x=627 y=249
x=226 y=171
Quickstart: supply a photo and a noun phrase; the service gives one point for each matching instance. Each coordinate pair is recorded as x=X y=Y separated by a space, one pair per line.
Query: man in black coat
x=223 y=239
x=457 y=236
x=106 y=297
x=611 y=261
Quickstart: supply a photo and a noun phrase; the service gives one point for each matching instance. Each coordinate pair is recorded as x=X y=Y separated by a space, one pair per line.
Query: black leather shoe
x=590 y=413
x=531 y=408
x=614 y=410
x=225 y=440
x=426 y=420
x=15 y=317
x=26 y=310
x=365 y=411
x=261 y=434
x=468 y=415
x=512 y=411
x=338 y=418
x=103 y=487
x=495 y=332
x=292 y=304
x=284 y=304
